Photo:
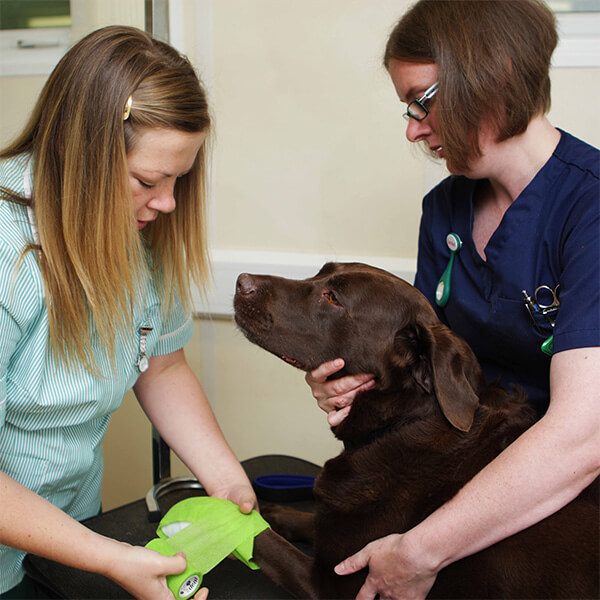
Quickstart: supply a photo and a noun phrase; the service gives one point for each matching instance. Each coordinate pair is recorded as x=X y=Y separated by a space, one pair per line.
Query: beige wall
x=308 y=130
x=17 y=97
x=309 y=157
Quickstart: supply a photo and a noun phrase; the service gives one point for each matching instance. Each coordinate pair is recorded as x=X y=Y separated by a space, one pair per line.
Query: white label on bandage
x=189 y=586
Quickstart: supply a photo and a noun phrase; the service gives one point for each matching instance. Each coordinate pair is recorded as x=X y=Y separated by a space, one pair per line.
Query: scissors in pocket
x=545 y=302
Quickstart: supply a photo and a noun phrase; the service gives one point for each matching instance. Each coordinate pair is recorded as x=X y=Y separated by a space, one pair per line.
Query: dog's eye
x=331 y=298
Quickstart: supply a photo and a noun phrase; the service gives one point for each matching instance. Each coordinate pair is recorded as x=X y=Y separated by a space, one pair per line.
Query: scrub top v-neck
x=550 y=235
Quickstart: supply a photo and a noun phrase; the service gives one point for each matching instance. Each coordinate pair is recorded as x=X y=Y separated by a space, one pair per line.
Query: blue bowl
x=283 y=487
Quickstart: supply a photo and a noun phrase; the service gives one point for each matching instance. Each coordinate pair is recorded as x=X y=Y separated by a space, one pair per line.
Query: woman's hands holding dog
x=335 y=397
x=393 y=570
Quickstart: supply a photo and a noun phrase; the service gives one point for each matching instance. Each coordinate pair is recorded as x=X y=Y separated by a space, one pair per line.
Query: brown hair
x=494 y=61
x=92 y=256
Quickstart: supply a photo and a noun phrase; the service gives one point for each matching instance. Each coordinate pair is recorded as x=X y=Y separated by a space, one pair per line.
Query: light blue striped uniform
x=53 y=417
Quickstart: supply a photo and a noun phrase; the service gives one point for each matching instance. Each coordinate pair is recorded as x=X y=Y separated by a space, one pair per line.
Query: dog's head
x=375 y=321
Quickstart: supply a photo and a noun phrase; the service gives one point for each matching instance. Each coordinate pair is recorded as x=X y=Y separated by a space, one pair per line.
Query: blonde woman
x=524 y=199
x=101 y=237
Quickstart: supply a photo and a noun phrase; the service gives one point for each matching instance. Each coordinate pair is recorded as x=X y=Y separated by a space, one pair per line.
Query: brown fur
x=430 y=424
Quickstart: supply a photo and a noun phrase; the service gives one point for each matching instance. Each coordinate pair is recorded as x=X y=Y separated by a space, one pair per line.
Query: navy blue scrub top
x=550 y=235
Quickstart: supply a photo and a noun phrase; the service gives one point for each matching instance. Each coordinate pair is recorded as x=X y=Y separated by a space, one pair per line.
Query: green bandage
x=206 y=530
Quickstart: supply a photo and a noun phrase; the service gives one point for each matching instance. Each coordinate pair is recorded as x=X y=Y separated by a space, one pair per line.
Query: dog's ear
x=442 y=364
x=410 y=354
x=456 y=375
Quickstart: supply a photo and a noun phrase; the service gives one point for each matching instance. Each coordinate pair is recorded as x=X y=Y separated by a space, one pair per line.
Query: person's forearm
x=180 y=411
x=34 y=525
x=538 y=474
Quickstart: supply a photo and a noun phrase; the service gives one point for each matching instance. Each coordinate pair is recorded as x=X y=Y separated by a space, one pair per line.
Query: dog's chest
x=369 y=480
x=394 y=482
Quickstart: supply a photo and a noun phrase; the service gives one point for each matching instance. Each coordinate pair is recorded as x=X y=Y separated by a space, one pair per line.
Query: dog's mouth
x=292 y=361
x=259 y=340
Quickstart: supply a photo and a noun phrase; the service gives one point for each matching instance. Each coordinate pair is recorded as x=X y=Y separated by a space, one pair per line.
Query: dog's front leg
x=284 y=564
x=294 y=525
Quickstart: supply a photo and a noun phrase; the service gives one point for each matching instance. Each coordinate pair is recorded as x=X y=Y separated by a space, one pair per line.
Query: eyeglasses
x=417 y=109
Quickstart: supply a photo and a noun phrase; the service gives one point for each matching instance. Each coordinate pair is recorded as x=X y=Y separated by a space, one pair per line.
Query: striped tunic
x=53 y=417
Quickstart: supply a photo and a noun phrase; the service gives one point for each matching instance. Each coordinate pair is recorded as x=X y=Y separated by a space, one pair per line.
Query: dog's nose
x=245 y=284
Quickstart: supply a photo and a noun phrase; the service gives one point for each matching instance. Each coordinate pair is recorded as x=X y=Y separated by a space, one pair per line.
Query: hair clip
x=127 y=110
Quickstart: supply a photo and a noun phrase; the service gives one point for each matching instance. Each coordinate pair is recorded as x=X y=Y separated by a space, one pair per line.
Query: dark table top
x=130 y=523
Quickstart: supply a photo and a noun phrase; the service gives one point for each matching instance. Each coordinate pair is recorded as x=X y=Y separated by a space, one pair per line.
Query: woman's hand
x=335 y=397
x=143 y=572
x=393 y=572
x=242 y=495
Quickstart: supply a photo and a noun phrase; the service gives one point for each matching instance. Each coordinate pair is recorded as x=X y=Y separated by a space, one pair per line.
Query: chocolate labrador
x=429 y=425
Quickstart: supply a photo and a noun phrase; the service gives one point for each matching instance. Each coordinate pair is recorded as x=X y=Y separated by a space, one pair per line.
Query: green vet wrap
x=206 y=530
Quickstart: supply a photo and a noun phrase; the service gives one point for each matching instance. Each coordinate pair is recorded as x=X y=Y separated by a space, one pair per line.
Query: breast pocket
x=516 y=332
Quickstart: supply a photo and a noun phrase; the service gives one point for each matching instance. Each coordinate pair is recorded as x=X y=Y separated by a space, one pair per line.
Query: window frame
x=579 y=46
x=44 y=48
x=579 y=40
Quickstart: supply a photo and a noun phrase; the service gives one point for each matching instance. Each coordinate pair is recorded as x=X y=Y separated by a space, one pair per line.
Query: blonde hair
x=92 y=257
x=494 y=62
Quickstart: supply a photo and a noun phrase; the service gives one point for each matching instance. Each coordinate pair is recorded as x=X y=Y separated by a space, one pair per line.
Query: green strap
x=214 y=529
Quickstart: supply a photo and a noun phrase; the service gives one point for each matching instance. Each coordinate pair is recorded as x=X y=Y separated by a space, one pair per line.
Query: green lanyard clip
x=442 y=291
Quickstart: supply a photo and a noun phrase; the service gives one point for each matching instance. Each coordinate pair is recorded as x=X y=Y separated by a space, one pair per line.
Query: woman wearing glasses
x=523 y=202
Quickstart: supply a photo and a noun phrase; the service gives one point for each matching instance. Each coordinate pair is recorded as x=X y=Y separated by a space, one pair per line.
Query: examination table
x=131 y=523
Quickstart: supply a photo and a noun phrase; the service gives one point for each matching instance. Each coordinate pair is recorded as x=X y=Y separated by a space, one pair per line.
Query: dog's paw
x=292 y=524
